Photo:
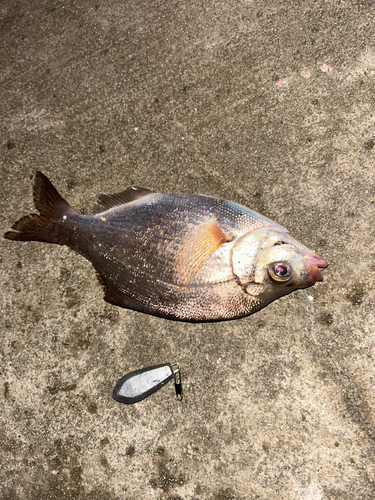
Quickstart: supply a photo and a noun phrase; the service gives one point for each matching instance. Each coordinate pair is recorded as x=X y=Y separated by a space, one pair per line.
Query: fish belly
x=134 y=249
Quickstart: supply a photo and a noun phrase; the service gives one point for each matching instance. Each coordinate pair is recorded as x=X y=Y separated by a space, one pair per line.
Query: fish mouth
x=313 y=265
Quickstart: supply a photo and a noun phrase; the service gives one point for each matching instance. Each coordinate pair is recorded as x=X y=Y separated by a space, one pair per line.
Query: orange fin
x=201 y=243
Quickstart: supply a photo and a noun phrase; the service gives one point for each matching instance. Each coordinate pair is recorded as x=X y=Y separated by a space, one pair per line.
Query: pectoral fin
x=203 y=240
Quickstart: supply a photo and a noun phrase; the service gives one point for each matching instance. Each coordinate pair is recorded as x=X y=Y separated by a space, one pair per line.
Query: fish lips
x=313 y=264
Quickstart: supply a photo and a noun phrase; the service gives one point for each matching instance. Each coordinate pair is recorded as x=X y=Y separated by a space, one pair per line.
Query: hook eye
x=177 y=381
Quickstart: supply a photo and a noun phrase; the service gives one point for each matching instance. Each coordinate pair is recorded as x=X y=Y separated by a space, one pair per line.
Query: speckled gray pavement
x=270 y=104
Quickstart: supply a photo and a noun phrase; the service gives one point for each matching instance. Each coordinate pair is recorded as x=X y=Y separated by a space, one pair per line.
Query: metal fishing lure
x=140 y=384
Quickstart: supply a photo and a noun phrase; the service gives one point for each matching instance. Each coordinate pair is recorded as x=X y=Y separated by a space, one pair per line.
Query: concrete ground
x=270 y=104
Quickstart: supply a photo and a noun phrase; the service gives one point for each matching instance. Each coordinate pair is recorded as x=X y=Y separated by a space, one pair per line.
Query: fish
x=186 y=257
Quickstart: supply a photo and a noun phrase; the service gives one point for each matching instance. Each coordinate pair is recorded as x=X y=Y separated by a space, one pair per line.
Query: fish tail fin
x=47 y=225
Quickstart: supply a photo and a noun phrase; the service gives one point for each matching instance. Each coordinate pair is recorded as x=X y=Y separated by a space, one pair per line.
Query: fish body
x=180 y=256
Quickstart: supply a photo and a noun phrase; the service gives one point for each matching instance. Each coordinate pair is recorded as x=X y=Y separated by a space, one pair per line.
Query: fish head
x=269 y=263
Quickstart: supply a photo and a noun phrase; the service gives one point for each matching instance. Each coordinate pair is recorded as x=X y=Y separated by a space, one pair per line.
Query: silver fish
x=187 y=257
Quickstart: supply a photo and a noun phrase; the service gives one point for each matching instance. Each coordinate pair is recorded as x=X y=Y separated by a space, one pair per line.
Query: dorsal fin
x=107 y=201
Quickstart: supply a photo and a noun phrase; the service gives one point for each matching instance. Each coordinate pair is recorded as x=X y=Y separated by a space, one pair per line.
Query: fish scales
x=146 y=233
x=179 y=256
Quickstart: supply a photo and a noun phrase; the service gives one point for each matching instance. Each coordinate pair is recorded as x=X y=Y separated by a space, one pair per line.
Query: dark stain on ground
x=104 y=462
x=130 y=451
x=111 y=314
x=73 y=300
x=355 y=294
x=50 y=492
x=9 y=494
x=99 y=495
x=258 y=200
x=54 y=389
x=64 y=276
x=164 y=478
x=160 y=450
x=226 y=494
x=68 y=293
x=198 y=489
x=326 y=319
x=7 y=444
x=358 y=410
x=104 y=441
x=71 y=184
x=322 y=242
x=92 y=408
x=6 y=390
x=369 y=145
x=64 y=479
x=76 y=474
x=336 y=494
x=30 y=315
x=266 y=446
x=78 y=340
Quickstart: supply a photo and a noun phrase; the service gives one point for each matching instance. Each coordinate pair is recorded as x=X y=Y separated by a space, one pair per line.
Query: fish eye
x=280 y=272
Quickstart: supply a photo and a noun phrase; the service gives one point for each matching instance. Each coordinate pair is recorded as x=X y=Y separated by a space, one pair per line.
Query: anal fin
x=116 y=297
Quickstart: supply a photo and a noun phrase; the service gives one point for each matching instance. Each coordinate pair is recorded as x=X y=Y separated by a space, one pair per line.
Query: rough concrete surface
x=270 y=104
